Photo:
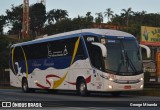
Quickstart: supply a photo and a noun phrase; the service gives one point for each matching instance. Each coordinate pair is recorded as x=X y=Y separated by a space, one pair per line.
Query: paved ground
x=68 y=100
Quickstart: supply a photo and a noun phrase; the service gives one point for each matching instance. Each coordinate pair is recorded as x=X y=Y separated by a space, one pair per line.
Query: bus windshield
x=123 y=57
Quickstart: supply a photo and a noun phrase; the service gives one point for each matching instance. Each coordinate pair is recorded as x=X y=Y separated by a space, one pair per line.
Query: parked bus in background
x=86 y=60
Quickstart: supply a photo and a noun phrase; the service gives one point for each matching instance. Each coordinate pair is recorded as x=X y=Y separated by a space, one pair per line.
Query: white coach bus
x=84 y=60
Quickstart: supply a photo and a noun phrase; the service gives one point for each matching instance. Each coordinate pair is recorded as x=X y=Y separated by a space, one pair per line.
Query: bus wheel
x=25 y=88
x=82 y=88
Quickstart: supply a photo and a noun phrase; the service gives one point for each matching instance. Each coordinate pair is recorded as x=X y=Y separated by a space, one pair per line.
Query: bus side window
x=80 y=51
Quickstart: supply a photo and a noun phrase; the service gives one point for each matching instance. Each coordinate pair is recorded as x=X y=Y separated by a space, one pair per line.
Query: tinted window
x=57 y=48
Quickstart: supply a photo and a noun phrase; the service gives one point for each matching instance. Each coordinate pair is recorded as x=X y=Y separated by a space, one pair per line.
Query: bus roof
x=105 y=32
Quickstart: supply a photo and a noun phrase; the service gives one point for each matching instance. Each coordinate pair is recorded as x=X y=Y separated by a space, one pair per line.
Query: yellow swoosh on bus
x=13 y=61
x=57 y=83
x=25 y=58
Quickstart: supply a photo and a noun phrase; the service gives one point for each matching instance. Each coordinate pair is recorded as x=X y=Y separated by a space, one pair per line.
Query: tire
x=82 y=88
x=25 y=88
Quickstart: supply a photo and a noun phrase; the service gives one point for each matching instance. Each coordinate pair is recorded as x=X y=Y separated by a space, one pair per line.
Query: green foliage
x=2 y=23
x=4 y=52
x=14 y=18
x=99 y=18
x=108 y=13
x=37 y=18
x=56 y=15
x=57 y=20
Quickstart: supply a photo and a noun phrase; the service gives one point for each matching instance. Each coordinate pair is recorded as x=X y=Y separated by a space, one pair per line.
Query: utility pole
x=25 y=24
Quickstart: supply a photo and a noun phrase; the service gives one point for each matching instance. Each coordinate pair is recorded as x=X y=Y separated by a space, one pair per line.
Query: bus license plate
x=127 y=87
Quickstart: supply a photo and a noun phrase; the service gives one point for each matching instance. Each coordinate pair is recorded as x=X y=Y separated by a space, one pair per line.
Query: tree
x=2 y=23
x=4 y=52
x=99 y=18
x=62 y=14
x=37 y=18
x=51 y=16
x=88 y=20
x=56 y=15
x=77 y=23
x=89 y=17
x=126 y=14
x=64 y=25
x=14 y=18
x=118 y=20
x=108 y=13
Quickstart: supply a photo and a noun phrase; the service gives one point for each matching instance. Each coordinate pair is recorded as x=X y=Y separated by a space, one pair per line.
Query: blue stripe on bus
x=43 y=64
x=70 y=36
x=57 y=38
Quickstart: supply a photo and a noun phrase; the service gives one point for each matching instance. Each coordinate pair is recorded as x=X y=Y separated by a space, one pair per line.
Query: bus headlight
x=141 y=86
x=141 y=79
x=110 y=87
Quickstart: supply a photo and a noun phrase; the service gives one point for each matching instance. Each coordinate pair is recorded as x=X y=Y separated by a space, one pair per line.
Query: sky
x=81 y=7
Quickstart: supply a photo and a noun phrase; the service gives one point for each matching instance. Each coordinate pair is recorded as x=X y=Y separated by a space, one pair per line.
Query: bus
x=86 y=60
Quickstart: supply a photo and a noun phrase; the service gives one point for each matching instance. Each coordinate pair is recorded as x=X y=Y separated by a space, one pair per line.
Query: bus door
x=97 y=63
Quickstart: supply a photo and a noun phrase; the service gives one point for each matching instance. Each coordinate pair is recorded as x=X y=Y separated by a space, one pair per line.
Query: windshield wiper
x=128 y=60
x=123 y=61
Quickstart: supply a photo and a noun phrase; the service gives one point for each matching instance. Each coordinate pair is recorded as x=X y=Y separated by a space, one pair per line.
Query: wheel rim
x=25 y=86
x=82 y=88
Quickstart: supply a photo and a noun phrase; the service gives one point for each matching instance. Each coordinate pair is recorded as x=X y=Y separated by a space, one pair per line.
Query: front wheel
x=82 y=88
x=25 y=88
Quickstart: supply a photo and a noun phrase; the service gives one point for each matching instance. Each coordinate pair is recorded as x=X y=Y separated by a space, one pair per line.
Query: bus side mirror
x=103 y=48
x=147 y=50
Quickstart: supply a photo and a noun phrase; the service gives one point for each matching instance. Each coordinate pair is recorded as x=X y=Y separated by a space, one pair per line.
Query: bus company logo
x=6 y=104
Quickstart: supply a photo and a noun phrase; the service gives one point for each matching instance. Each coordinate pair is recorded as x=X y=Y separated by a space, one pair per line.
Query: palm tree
x=64 y=14
x=56 y=15
x=99 y=18
x=51 y=16
x=88 y=20
x=89 y=17
x=126 y=14
x=60 y=14
x=108 y=13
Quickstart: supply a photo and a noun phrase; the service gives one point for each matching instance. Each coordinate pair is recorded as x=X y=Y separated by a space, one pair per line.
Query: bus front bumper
x=112 y=86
